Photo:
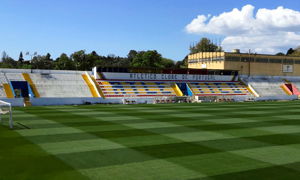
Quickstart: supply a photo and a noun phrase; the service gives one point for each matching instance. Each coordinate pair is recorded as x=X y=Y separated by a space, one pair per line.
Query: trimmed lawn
x=259 y=140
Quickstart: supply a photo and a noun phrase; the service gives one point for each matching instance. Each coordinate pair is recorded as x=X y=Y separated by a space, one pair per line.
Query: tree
x=21 y=59
x=147 y=59
x=91 y=59
x=290 y=51
x=79 y=59
x=4 y=55
x=293 y=52
x=64 y=63
x=42 y=62
x=48 y=56
x=296 y=53
x=167 y=63
x=204 y=45
x=183 y=63
x=131 y=55
x=7 y=62
x=280 y=54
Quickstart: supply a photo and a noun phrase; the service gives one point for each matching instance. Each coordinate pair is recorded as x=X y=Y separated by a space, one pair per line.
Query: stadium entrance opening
x=183 y=88
x=20 y=88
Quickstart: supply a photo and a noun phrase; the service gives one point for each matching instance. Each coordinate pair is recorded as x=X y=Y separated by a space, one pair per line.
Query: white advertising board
x=164 y=77
x=287 y=68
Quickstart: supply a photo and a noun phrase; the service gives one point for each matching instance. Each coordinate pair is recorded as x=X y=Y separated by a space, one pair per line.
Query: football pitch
x=164 y=141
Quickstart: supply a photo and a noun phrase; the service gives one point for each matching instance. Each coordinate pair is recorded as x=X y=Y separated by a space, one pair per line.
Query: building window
x=275 y=61
x=247 y=59
x=233 y=58
x=262 y=60
x=288 y=61
x=193 y=61
x=220 y=58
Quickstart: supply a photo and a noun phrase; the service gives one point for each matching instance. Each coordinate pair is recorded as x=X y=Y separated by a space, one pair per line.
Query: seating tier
x=135 y=88
x=218 y=88
x=61 y=85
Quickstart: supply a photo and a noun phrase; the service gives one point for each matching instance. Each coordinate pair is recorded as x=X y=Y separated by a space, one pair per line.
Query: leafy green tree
x=7 y=62
x=42 y=62
x=79 y=59
x=280 y=54
x=131 y=55
x=296 y=53
x=293 y=52
x=48 y=57
x=167 y=63
x=91 y=59
x=147 y=59
x=21 y=59
x=183 y=63
x=64 y=63
x=4 y=55
x=290 y=51
x=204 y=45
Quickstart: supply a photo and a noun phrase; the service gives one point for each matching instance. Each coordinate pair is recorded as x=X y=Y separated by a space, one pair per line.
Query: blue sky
x=111 y=26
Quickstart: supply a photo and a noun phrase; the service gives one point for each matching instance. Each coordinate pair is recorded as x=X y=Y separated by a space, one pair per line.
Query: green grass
x=165 y=141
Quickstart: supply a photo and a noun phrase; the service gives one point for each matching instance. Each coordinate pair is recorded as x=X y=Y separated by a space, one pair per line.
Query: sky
x=168 y=26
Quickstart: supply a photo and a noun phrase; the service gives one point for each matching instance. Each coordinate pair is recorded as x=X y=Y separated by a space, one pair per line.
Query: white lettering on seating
x=151 y=76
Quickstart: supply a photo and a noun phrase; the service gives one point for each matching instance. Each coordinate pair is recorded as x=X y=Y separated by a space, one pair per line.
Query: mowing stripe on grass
x=163 y=148
x=89 y=159
x=177 y=141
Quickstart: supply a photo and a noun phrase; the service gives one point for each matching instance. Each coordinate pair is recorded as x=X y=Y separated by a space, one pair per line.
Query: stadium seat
x=218 y=88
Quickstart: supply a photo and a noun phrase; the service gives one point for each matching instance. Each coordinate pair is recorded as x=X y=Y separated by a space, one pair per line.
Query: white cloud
x=267 y=31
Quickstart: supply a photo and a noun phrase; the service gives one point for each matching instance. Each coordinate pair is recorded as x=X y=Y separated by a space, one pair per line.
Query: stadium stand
x=34 y=85
x=265 y=86
x=218 y=88
x=3 y=81
x=5 y=89
x=292 y=86
x=2 y=91
x=60 y=85
x=136 y=88
x=14 y=76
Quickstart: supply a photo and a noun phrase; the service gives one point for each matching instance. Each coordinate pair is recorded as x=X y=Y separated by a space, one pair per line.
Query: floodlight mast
x=31 y=55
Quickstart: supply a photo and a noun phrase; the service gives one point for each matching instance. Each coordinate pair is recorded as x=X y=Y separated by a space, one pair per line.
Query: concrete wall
x=60 y=85
x=290 y=78
x=277 y=98
x=14 y=101
x=71 y=101
x=267 y=69
x=43 y=71
x=78 y=101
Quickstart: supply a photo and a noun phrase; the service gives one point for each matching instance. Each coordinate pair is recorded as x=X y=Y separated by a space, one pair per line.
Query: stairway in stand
x=27 y=102
x=291 y=89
